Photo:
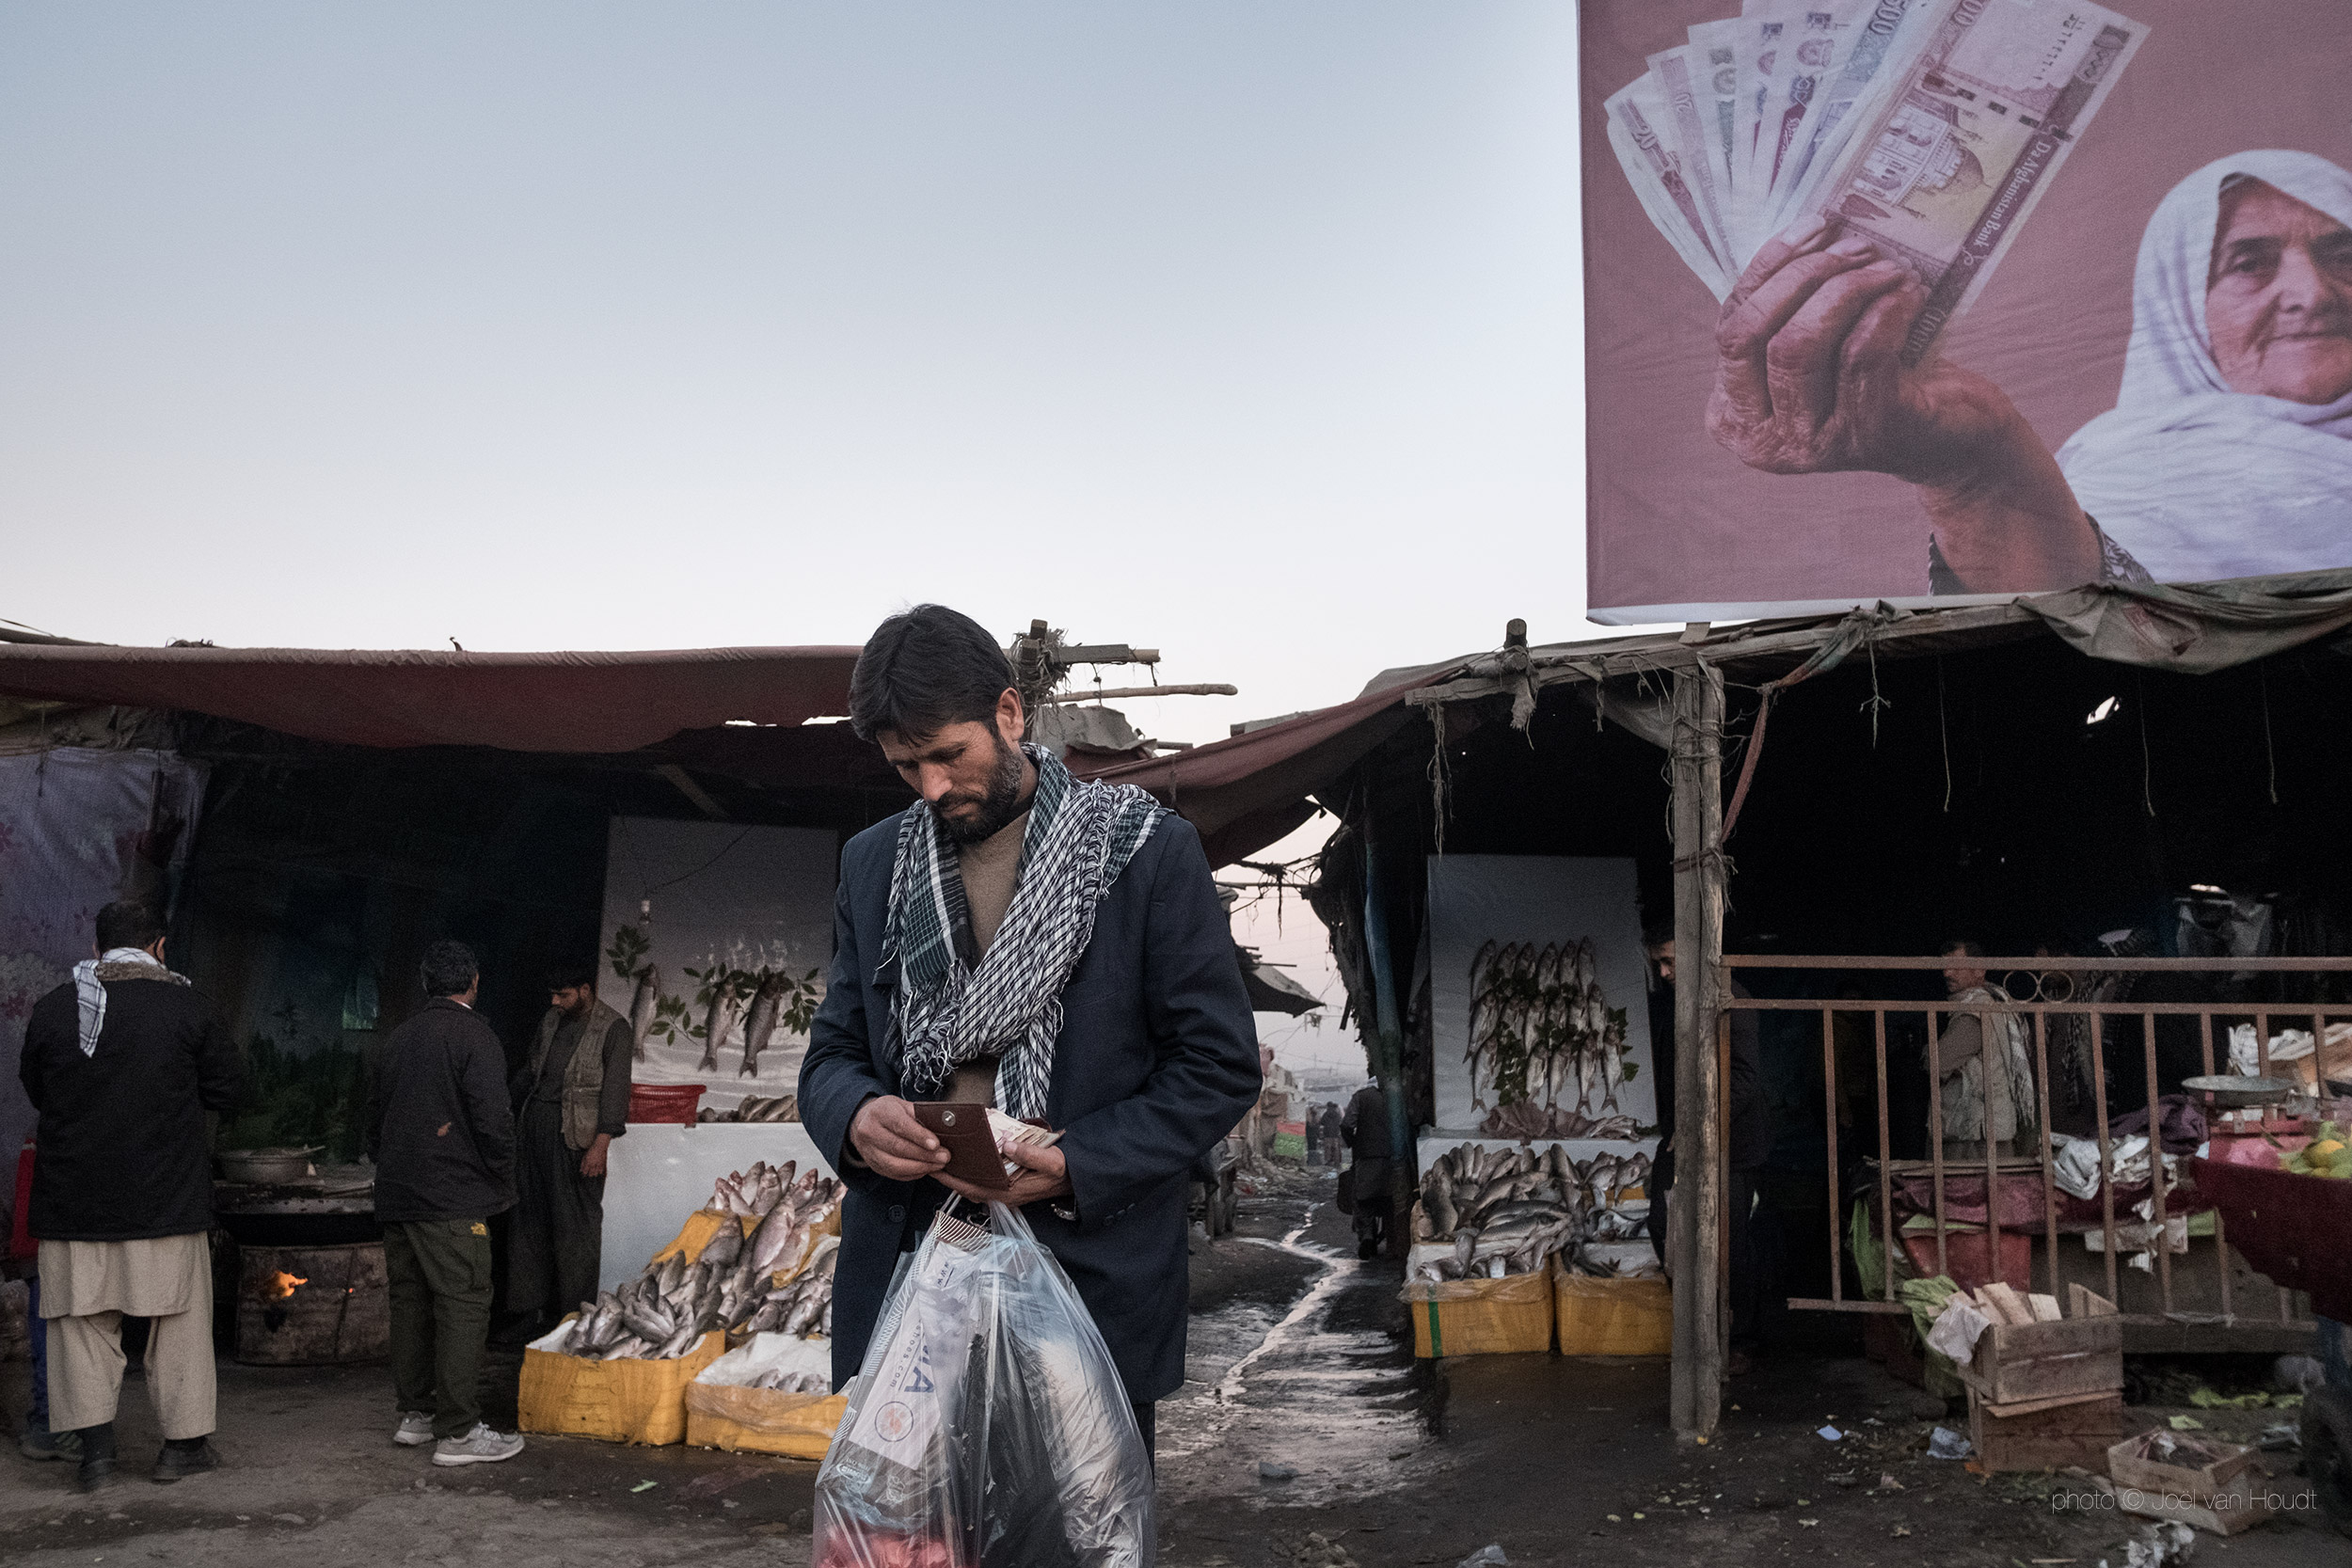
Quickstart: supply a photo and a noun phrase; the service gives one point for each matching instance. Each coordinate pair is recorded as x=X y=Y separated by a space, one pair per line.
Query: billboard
x=1956 y=299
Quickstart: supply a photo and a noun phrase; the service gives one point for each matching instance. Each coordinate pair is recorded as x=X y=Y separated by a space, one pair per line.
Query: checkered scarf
x=1080 y=837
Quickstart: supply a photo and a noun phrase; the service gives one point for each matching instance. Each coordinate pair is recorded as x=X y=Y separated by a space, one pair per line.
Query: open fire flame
x=282 y=1286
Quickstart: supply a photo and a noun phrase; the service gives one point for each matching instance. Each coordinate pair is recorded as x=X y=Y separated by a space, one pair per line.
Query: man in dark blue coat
x=1051 y=948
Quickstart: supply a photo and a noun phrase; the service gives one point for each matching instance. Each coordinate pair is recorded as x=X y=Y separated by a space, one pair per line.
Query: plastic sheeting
x=79 y=828
x=2200 y=627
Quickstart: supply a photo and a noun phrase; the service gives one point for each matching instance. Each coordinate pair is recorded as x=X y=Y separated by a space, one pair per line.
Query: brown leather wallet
x=973 y=1157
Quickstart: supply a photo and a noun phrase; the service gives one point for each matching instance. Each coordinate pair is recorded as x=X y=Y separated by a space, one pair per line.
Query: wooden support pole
x=1388 y=1053
x=1699 y=1328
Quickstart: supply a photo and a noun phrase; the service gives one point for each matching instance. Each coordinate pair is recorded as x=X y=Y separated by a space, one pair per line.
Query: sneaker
x=479 y=1447
x=415 y=1428
x=178 y=1461
x=38 y=1442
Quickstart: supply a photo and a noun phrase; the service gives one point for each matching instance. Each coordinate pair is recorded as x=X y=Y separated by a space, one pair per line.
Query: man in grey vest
x=571 y=1100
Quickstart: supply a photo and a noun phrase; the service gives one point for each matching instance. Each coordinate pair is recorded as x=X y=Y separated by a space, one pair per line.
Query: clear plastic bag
x=988 y=1427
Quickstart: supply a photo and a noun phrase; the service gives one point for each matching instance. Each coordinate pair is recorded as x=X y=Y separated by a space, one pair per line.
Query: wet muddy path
x=1294 y=1364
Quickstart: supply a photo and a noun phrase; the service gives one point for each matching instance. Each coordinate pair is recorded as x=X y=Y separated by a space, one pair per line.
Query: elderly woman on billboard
x=2229 y=452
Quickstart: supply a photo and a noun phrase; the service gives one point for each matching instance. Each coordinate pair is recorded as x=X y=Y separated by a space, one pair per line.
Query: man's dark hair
x=128 y=922
x=1658 y=932
x=1969 y=945
x=924 y=670
x=578 y=972
x=449 y=968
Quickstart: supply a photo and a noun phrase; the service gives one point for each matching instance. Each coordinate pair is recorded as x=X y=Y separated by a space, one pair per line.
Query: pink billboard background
x=1679 y=527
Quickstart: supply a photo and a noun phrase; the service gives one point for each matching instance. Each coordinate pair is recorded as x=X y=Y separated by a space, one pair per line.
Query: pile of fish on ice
x=665 y=1311
x=1507 y=1211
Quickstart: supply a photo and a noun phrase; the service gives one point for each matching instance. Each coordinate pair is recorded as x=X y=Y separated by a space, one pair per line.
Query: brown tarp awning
x=1245 y=793
x=543 y=701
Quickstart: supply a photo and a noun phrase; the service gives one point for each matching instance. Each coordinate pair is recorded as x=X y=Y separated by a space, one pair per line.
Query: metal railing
x=2041 y=1009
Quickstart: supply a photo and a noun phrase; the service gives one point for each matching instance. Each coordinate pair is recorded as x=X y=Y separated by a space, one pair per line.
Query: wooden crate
x=2040 y=1434
x=2081 y=1353
x=2228 y=1493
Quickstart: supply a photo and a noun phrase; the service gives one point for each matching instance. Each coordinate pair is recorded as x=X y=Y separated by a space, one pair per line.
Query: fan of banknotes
x=1931 y=126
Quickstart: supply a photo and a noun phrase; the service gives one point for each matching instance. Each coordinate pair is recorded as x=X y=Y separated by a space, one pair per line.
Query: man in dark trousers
x=442 y=1138
x=122 y=1061
x=1055 y=949
x=571 y=1100
x=1369 y=1180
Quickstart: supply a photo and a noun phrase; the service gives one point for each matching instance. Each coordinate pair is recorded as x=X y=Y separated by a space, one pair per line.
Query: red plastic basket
x=665 y=1101
x=2288 y=1226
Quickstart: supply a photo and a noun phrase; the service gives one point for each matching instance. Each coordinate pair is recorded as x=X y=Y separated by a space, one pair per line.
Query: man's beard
x=997 y=808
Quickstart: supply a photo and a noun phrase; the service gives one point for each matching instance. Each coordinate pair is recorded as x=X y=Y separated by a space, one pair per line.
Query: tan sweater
x=992 y=868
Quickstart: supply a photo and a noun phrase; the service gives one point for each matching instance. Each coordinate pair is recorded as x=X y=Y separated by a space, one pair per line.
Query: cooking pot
x=264 y=1165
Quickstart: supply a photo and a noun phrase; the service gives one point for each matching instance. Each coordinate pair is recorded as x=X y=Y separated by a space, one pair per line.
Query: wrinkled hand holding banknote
x=1931 y=126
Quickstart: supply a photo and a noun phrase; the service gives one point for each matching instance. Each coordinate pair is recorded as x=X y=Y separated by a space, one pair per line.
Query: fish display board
x=1539 y=998
x=1952 y=300
x=716 y=939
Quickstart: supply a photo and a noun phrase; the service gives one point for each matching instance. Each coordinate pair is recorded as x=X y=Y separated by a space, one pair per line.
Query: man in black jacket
x=1052 y=948
x=442 y=1138
x=122 y=1061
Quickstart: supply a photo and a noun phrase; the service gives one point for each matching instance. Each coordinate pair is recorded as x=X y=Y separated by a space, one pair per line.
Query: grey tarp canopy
x=1247 y=791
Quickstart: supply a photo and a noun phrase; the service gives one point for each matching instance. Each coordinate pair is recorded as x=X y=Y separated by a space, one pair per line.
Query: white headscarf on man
x=2198 y=482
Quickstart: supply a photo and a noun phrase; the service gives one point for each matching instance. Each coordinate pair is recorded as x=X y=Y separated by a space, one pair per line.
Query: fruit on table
x=2327 y=1154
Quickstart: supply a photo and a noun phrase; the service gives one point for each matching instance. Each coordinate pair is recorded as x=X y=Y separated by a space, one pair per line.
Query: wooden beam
x=1103 y=653
x=1662 y=653
x=1197 y=689
x=1699 y=1325
x=684 y=783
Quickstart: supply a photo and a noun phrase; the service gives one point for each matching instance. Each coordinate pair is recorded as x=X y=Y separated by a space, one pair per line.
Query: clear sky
x=1246 y=330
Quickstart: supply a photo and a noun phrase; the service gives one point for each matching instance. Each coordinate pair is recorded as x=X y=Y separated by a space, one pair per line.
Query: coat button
x=897 y=1214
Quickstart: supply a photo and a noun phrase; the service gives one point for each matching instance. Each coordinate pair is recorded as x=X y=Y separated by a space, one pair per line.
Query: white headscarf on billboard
x=2198 y=482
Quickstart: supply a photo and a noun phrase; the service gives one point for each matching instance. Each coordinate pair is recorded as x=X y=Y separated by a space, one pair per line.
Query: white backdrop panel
x=751 y=896
x=1538 y=898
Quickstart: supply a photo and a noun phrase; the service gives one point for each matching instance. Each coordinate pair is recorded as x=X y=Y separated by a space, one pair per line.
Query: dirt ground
x=1298 y=1364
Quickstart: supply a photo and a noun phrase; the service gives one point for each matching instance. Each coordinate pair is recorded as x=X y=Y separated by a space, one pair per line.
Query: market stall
x=2123 y=771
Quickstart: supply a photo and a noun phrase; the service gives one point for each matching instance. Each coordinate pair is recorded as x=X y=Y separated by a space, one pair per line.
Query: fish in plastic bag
x=988 y=1427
